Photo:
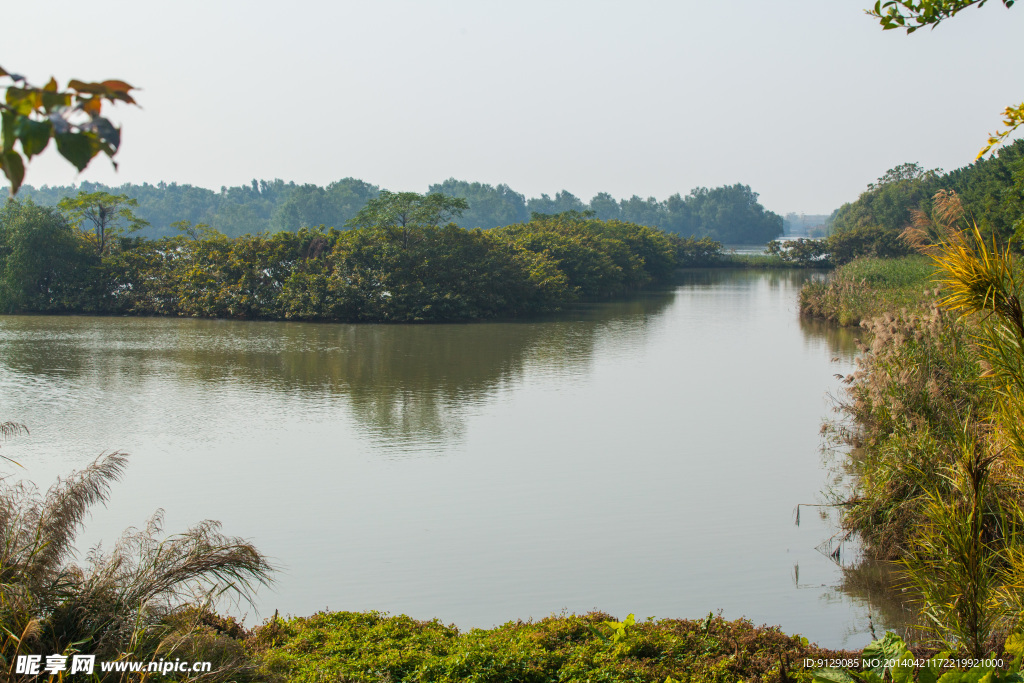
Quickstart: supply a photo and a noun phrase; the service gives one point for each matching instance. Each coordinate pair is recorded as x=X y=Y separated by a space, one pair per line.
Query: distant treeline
x=730 y=214
x=991 y=190
x=382 y=270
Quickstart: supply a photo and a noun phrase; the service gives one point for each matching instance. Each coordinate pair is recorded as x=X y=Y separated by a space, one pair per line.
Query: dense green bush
x=44 y=264
x=375 y=647
x=394 y=272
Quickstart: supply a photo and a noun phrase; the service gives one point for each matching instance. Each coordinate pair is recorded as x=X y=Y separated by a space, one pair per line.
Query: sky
x=806 y=101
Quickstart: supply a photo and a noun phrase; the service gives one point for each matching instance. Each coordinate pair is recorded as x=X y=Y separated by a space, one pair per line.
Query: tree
x=914 y=14
x=43 y=265
x=563 y=201
x=30 y=116
x=489 y=207
x=109 y=215
x=398 y=212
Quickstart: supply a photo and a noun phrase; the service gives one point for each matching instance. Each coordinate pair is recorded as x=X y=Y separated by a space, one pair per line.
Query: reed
x=126 y=604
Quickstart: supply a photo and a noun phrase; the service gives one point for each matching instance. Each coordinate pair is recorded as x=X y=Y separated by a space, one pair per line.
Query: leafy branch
x=911 y=15
x=30 y=116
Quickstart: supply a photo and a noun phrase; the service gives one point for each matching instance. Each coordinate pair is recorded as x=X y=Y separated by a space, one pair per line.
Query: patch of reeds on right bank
x=869 y=287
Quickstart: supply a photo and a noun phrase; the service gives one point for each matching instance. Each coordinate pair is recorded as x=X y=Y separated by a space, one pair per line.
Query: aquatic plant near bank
x=937 y=408
x=870 y=287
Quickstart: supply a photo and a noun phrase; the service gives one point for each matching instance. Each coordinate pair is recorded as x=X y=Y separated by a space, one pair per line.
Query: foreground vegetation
x=144 y=600
x=346 y=646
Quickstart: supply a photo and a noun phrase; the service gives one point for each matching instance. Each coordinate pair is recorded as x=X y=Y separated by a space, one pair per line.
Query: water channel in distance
x=641 y=456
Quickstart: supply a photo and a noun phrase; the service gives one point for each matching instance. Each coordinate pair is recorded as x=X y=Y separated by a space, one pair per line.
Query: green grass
x=347 y=646
x=870 y=287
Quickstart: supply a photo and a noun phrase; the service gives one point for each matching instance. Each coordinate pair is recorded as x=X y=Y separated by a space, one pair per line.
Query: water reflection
x=632 y=456
x=409 y=386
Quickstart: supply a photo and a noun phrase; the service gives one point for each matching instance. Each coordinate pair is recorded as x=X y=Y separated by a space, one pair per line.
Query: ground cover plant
x=347 y=646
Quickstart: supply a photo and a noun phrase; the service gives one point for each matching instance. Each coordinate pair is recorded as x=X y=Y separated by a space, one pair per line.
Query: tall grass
x=937 y=411
x=869 y=287
x=916 y=383
x=130 y=603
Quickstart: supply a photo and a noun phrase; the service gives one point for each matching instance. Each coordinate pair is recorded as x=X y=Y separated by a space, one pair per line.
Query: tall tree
x=400 y=212
x=43 y=265
x=106 y=215
x=489 y=206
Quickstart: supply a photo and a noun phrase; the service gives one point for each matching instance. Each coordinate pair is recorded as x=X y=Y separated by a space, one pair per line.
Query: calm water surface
x=643 y=456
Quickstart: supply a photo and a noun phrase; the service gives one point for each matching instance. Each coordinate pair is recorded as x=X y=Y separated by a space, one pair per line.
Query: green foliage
x=384 y=272
x=889 y=203
x=729 y=214
x=44 y=266
x=959 y=558
x=870 y=287
x=489 y=207
x=308 y=206
x=271 y=206
x=801 y=252
x=915 y=386
x=914 y=14
x=592 y=647
x=30 y=116
x=889 y=659
x=866 y=240
x=107 y=216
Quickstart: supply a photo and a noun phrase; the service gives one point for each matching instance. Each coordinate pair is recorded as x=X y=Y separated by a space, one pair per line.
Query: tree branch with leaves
x=912 y=15
x=30 y=116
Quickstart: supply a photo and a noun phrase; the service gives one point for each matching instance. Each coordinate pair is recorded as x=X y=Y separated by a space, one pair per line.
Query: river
x=640 y=456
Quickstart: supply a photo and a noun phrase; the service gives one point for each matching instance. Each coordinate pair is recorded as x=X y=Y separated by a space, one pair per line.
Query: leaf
x=92 y=105
x=106 y=131
x=78 y=148
x=14 y=169
x=91 y=88
x=55 y=100
x=7 y=130
x=833 y=675
x=117 y=86
x=34 y=135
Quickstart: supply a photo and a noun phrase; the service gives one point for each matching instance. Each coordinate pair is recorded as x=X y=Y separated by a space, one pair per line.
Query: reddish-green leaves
x=73 y=118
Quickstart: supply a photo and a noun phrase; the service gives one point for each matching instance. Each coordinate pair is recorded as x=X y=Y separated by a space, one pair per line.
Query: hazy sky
x=806 y=101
